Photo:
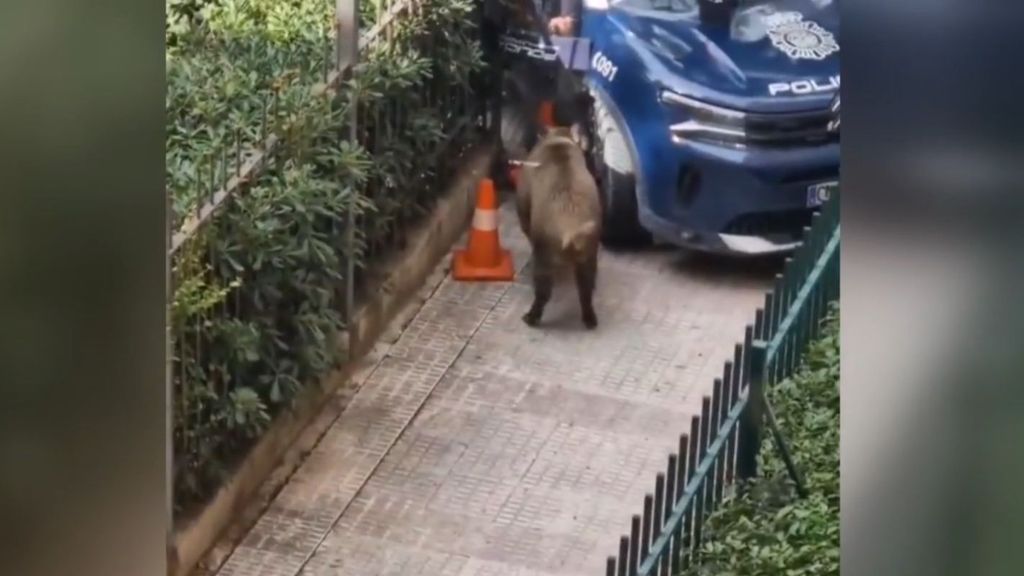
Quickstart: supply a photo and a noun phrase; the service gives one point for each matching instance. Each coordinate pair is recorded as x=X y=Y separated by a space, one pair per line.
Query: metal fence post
x=169 y=376
x=492 y=27
x=751 y=422
x=346 y=38
x=346 y=33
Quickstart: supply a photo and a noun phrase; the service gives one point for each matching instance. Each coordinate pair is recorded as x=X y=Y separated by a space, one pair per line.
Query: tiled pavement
x=481 y=447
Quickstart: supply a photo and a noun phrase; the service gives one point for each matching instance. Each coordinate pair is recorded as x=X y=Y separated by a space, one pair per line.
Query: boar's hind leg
x=542 y=284
x=586 y=278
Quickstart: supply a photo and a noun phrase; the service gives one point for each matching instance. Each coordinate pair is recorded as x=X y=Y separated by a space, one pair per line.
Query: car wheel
x=621 y=227
x=611 y=160
x=518 y=126
x=516 y=133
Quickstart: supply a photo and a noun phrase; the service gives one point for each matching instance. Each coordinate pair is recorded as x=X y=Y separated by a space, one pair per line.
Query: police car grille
x=790 y=129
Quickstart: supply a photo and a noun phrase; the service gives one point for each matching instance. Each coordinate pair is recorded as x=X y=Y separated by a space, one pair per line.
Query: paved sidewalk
x=481 y=447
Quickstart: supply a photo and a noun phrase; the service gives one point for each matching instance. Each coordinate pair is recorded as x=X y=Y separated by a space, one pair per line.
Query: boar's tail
x=576 y=239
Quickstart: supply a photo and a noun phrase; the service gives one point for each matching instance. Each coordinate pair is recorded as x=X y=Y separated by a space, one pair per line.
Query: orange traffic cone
x=483 y=258
x=546 y=114
x=513 y=175
x=546 y=119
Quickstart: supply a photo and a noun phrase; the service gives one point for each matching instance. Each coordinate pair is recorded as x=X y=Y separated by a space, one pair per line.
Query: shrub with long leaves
x=257 y=306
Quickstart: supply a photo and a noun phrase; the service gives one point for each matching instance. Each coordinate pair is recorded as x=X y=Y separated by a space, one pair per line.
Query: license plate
x=818 y=194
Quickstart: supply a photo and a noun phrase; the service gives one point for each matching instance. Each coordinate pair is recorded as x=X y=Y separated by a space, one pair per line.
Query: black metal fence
x=723 y=442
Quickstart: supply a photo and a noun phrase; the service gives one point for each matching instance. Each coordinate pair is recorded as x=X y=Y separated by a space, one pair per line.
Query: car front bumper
x=721 y=243
x=725 y=200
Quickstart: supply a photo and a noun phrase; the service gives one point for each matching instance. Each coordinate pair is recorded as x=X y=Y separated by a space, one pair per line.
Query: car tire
x=610 y=158
x=518 y=127
x=621 y=227
x=516 y=132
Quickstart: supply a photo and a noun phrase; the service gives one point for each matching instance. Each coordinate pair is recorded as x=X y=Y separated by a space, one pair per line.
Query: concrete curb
x=293 y=433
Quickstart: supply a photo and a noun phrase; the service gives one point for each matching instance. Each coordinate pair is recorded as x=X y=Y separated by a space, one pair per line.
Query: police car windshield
x=680 y=6
x=688 y=6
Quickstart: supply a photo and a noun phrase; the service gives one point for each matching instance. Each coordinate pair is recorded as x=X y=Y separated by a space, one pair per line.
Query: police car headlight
x=707 y=122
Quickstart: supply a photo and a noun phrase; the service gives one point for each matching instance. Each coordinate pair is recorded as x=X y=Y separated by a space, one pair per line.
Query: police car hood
x=740 y=62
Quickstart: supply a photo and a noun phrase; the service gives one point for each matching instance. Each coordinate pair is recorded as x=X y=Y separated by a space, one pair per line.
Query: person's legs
x=570 y=99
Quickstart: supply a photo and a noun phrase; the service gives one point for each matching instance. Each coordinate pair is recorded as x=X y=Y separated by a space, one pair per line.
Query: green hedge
x=768 y=530
x=256 y=310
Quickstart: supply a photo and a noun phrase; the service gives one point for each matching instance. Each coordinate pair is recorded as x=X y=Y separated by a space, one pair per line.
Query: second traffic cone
x=483 y=258
x=546 y=114
x=513 y=175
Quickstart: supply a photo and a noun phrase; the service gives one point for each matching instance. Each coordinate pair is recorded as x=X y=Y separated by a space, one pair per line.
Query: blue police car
x=715 y=123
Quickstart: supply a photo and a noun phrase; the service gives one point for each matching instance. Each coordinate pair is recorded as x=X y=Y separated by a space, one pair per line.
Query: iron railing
x=724 y=440
x=195 y=384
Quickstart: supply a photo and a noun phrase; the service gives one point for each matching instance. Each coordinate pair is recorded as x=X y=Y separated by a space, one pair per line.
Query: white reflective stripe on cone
x=486 y=220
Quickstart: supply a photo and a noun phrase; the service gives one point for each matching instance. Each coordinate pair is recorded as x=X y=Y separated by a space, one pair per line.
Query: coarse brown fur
x=560 y=212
